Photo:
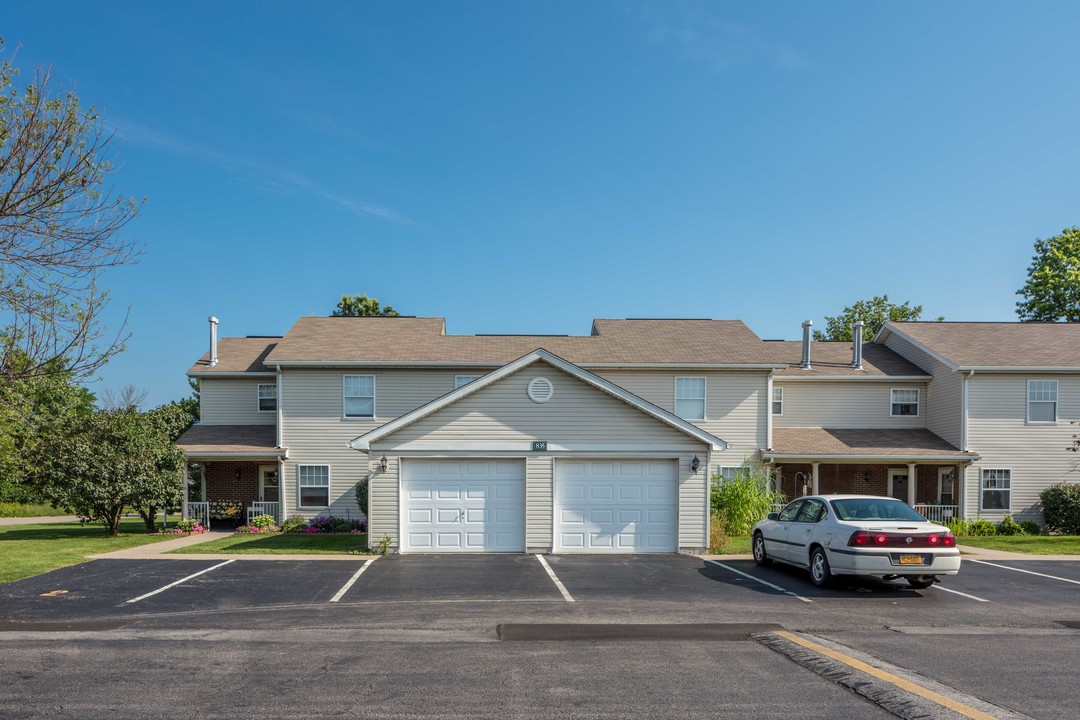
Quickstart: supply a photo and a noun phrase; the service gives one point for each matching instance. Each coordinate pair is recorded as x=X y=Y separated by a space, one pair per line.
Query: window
x=725 y=473
x=1042 y=401
x=778 y=401
x=945 y=487
x=267 y=398
x=314 y=481
x=812 y=511
x=690 y=398
x=904 y=403
x=791 y=510
x=460 y=380
x=359 y=396
x=996 y=489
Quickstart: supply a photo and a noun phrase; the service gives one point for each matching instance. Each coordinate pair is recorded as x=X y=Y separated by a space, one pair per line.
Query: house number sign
x=539 y=445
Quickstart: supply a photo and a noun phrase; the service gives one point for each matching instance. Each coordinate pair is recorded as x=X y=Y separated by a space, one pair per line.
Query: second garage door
x=463 y=506
x=613 y=506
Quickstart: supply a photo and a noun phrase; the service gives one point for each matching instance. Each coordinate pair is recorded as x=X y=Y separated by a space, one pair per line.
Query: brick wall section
x=834 y=479
x=222 y=482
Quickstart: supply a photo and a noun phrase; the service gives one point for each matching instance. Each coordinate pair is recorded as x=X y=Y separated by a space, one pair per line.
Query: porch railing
x=937 y=513
x=199 y=511
x=263 y=508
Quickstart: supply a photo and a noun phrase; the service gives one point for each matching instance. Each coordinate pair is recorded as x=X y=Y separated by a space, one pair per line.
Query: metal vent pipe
x=213 y=340
x=807 y=324
x=856 y=345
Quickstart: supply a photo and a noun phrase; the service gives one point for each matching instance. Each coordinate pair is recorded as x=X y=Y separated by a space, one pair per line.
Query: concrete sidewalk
x=977 y=553
x=160 y=550
x=38 y=520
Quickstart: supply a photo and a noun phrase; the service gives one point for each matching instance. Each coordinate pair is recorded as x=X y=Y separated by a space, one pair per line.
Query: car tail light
x=863 y=538
x=948 y=540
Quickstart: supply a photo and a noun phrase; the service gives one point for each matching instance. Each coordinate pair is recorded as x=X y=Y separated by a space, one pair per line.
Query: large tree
x=61 y=226
x=362 y=306
x=1052 y=290
x=873 y=313
x=111 y=460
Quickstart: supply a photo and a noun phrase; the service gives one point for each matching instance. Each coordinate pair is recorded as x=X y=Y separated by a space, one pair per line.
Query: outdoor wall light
x=237 y=473
x=382 y=463
x=866 y=477
x=695 y=464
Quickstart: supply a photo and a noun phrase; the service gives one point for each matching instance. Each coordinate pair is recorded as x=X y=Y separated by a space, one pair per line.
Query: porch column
x=187 y=490
x=913 y=480
x=814 y=471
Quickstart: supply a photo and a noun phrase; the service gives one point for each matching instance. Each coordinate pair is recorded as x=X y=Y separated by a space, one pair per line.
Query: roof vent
x=805 y=364
x=540 y=390
x=213 y=340
x=856 y=345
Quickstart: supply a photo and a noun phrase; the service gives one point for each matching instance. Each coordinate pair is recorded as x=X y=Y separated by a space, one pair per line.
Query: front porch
x=234 y=474
x=915 y=466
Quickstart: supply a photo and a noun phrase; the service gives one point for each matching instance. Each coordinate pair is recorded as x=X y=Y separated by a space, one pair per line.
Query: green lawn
x=735 y=545
x=21 y=510
x=27 y=550
x=1031 y=544
x=282 y=544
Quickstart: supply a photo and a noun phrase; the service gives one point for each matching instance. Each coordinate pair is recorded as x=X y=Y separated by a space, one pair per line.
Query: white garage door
x=463 y=506
x=615 y=506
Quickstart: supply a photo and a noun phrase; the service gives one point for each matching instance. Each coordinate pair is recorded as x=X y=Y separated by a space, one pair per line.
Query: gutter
x=920 y=459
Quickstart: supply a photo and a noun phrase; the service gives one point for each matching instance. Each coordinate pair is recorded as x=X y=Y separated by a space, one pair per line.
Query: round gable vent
x=540 y=389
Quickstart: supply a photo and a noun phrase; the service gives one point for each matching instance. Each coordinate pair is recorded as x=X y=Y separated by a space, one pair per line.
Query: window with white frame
x=725 y=473
x=690 y=398
x=905 y=402
x=460 y=380
x=1042 y=401
x=946 y=480
x=778 y=401
x=314 y=485
x=359 y=396
x=996 y=489
x=267 y=397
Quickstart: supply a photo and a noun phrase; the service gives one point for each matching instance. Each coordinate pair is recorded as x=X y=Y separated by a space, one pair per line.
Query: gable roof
x=363 y=442
x=237 y=355
x=993 y=345
x=423 y=341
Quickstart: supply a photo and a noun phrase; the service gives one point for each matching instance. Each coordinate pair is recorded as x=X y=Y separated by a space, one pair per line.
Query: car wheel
x=920 y=582
x=760 y=556
x=820 y=574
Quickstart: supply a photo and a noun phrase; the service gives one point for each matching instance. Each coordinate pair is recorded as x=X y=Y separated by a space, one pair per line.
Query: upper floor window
x=267 y=397
x=1042 y=401
x=778 y=401
x=359 y=396
x=690 y=398
x=904 y=402
x=996 y=489
x=460 y=380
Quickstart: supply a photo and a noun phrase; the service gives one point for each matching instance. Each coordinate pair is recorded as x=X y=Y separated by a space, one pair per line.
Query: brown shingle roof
x=209 y=439
x=834 y=359
x=996 y=345
x=238 y=355
x=811 y=442
x=357 y=340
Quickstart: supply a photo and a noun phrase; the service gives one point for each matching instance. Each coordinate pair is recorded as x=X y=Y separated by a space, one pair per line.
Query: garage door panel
x=616 y=506
x=463 y=506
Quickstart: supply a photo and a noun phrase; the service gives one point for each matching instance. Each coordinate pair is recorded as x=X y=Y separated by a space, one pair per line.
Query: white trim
x=520 y=446
x=1021 y=369
x=268 y=454
x=964 y=380
x=1056 y=401
x=855 y=459
x=491 y=364
x=943 y=474
x=773 y=400
x=276 y=468
x=364 y=441
x=704 y=397
x=917 y=403
x=892 y=473
x=344 y=398
x=855 y=378
x=236 y=374
x=259 y=397
x=982 y=490
x=280 y=412
x=329 y=480
x=769 y=385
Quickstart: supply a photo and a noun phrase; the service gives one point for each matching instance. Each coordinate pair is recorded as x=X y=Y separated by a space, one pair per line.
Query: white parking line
x=957 y=592
x=1029 y=572
x=356 y=576
x=181 y=580
x=555 y=579
x=763 y=582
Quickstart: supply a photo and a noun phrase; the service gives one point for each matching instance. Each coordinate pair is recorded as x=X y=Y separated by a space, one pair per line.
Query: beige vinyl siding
x=539 y=501
x=316 y=433
x=577 y=414
x=945 y=403
x=736 y=404
x=999 y=433
x=693 y=504
x=233 y=401
x=850 y=404
x=383 y=501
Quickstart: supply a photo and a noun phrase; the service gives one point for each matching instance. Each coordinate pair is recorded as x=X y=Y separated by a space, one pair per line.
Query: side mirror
x=773 y=516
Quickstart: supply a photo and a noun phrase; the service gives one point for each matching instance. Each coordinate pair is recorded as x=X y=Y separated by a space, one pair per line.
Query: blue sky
x=527 y=166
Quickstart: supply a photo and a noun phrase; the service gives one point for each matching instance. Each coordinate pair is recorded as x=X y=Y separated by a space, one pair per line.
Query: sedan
x=856 y=535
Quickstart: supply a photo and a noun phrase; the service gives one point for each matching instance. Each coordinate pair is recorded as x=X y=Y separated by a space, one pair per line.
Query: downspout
x=768 y=411
x=280 y=441
x=964 y=441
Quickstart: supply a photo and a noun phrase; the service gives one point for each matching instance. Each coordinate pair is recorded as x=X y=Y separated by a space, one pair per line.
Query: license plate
x=911 y=560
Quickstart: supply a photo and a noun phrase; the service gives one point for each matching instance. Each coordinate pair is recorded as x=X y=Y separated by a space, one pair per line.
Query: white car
x=856 y=535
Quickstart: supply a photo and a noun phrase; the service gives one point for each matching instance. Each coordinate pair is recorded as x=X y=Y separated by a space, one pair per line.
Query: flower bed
x=319 y=525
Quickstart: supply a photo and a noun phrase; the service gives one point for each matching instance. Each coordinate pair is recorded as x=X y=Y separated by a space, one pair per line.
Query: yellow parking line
x=955 y=706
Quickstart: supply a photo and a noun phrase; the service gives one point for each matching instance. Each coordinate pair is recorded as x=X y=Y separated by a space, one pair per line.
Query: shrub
x=321 y=523
x=362 y=496
x=1008 y=526
x=1031 y=527
x=256 y=530
x=189 y=526
x=1061 y=508
x=744 y=499
x=718 y=537
x=976 y=527
x=262 y=521
x=295 y=524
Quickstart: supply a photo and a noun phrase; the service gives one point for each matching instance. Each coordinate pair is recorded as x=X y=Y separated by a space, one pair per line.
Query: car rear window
x=875 y=509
